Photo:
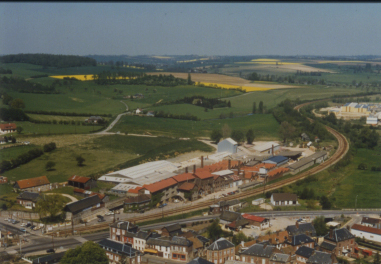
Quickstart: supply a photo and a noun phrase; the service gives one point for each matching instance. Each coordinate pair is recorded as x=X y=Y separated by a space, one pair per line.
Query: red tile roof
x=186 y=186
x=79 y=179
x=254 y=218
x=235 y=177
x=160 y=185
x=203 y=174
x=8 y=126
x=183 y=177
x=101 y=196
x=136 y=190
x=367 y=229
x=277 y=171
x=33 y=182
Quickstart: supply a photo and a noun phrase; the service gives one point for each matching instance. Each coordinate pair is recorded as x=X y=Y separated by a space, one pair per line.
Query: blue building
x=277 y=160
x=227 y=145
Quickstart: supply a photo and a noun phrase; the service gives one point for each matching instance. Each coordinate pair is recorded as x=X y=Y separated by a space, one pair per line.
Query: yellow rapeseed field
x=264 y=60
x=88 y=77
x=229 y=86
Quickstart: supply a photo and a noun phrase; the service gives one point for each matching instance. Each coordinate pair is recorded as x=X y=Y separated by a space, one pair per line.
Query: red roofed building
x=204 y=181
x=184 y=177
x=3 y=179
x=82 y=182
x=38 y=184
x=135 y=191
x=258 y=221
x=166 y=188
x=189 y=190
x=84 y=193
x=8 y=128
x=369 y=233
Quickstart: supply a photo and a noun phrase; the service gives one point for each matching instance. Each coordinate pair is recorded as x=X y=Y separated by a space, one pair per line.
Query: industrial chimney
x=202 y=161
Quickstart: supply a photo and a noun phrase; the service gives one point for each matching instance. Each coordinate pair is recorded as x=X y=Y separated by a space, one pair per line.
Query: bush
x=50 y=147
x=362 y=166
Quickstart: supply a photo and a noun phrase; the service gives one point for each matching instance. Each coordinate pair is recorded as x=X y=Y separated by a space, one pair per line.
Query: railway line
x=342 y=149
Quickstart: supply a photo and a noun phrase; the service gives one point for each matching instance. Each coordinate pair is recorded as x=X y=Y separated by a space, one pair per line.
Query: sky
x=167 y=28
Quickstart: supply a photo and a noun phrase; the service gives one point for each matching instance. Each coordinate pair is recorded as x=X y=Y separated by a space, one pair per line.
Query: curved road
x=105 y=132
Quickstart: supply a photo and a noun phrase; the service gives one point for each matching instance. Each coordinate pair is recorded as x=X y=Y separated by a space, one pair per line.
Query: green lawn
x=38 y=129
x=14 y=152
x=264 y=126
x=60 y=118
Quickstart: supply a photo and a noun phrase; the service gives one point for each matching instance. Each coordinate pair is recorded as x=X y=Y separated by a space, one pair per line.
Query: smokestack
x=229 y=164
x=272 y=149
x=331 y=233
x=186 y=169
x=194 y=168
x=202 y=161
x=297 y=224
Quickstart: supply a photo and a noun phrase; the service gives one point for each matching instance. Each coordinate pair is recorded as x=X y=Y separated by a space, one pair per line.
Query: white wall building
x=369 y=233
x=227 y=145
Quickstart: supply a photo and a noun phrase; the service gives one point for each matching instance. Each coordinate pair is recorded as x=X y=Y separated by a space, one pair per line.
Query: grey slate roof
x=280 y=257
x=285 y=197
x=221 y=244
x=123 y=225
x=299 y=239
x=340 y=235
x=160 y=241
x=230 y=216
x=305 y=252
x=29 y=196
x=52 y=258
x=320 y=258
x=181 y=241
x=80 y=205
x=143 y=235
x=304 y=228
x=259 y=250
x=327 y=246
x=199 y=261
x=172 y=228
x=203 y=239
x=118 y=247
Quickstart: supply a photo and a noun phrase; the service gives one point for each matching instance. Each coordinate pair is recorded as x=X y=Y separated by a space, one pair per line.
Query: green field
x=39 y=129
x=264 y=126
x=101 y=154
x=14 y=152
x=60 y=118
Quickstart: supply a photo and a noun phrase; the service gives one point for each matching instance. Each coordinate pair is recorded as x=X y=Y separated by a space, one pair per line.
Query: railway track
x=342 y=149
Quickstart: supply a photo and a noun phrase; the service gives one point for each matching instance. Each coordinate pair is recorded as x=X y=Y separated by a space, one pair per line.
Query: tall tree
x=254 y=108
x=50 y=204
x=250 y=136
x=89 y=252
x=320 y=226
x=216 y=135
x=226 y=131
x=215 y=230
x=286 y=131
x=189 y=79
x=238 y=136
x=17 y=103
x=80 y=161
x=260 y=107
x=49 y=165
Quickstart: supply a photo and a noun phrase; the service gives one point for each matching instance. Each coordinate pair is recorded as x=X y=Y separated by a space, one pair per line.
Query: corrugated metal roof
x=265 y=146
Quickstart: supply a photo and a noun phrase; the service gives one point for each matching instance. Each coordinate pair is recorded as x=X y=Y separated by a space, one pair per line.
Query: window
x=183 y=257
x=174 y=255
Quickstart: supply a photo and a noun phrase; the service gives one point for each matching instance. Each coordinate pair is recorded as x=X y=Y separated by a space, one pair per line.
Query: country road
x=105 y=132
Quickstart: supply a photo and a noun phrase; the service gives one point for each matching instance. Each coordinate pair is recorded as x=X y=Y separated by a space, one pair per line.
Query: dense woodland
x=49 y=60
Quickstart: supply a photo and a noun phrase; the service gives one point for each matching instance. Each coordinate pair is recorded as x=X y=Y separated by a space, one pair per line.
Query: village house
x=367 y=232
x=28 y=199
x=280 y=258
x=123 y=231
x=8 y=128
x=220 y=251
x=138 y=202
x=238 y=225
x=140 y=239
x=38 y=184
x=339 y=241
x=84 y=209
x=258 y=253
x=171 y=230
x=166 y=188
x=3 y=180
x=300 y=240
x=94 y=120
x=279 y=199
x=228 y=217
x=276 y=239
x=119 y=251
x=225 y=206
x=198 y=247
x=84 y=193
x=199 y=260
x=260 y=222
x=175 y=248
x=371 y=222
x=303 y=254
x=301 y=228
x=82 y=182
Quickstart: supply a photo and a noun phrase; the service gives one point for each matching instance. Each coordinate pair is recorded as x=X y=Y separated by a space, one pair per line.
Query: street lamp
x=356 y=203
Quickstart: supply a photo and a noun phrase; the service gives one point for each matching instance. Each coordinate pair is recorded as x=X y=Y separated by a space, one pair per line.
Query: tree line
x=49 y=60
x=40 y=112
x=237 y=135
x=187 y=116
x=199 y=100
x=5 y=71
x=22 y=86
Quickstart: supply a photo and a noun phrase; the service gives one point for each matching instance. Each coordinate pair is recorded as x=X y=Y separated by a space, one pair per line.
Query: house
x=198 y=246
x=220 y=251
x=225 y=206
x=140 y=239
x=260 y=222
x=94 y=120
x=118 y=252
x=236 y=180
x=277 y=160
x=278 y=199
x=319 y=257
x=199 y=260
x=84 y=193
x=166 y=188
x=237 y=225
x=28 y=199
x=227 y=145
x=258 y=253
x=303 y=254
x=271 y=148
x=140 y=201
x=301 y=228
x=82 y=182
x=280 y=258
x=123 y=231
x=175 y=248
x=228 y=217
x=38 y=184
x=150 y=113
x=3 y=179
x=300 y=240
x=222 y=179
x=276 y=239
x=171 y=230
x=339 y=241
x=138 y=111
x=371 y=222
x=84 y=209
x=305 y=137
x=8 y=128
x=367 y=232
x=188 y=190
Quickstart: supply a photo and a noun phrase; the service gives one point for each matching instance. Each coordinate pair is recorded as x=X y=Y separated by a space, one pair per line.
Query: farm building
x=3 y=179
x=37 y=184
x=261 y=222
x=28 y=199
x=371 y=120
x=84 y=193
x=371 y=222
x=146 y=173
x=82 y=182
x=86 y=208
x=94 y=119
x=369 y=233
x=277 y=160
x=227 y=145
x=278 y=199
x=307 y=162
x=268 y=148
x=294 y=155
x=8 y=128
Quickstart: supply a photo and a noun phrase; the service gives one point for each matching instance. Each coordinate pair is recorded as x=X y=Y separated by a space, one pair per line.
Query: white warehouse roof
x=265 y=146
x=223 y=172
x=230 y=141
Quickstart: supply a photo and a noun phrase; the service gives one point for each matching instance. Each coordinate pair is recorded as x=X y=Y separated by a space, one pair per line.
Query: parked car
x=28 y=225
x=22 y=229
x=15 y=222
x=50 y=250
x=23 y=224
x=101 y=220
x=142 y=211
x=31 y=227
x=162 y=205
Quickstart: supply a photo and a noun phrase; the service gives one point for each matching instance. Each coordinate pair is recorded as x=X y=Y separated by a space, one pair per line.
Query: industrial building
x=227 y=145
x=305 y=163
x=271 y=148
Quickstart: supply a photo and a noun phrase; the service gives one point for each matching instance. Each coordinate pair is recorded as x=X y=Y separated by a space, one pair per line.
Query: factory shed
x=227 y=145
